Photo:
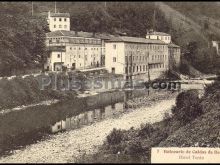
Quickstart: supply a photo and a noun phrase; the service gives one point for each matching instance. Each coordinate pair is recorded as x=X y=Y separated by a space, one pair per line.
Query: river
x=62 y=131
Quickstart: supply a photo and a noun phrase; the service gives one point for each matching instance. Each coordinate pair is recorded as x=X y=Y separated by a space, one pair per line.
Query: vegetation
x=22 y=35
x=22 y=38
x=192 y=117
x=29 y=90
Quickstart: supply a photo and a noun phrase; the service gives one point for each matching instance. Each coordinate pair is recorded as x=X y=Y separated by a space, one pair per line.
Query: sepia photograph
x=109 y=82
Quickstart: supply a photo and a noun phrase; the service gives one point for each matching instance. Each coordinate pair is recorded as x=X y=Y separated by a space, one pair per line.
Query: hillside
x=22 y=38
x=191 y=29
x=193 y=26
x=194 y=123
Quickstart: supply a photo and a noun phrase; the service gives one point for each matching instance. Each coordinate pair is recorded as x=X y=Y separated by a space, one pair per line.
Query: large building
x=136 y=57
x=173 y=49
x=133 y=57
x=73 y=50
x=58 y=21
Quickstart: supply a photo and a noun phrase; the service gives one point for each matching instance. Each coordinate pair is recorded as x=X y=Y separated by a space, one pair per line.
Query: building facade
x=136 y=58
x=159 y=36
x=174 y=56
x=58 y=21
x=216 y=45
x=72 y=50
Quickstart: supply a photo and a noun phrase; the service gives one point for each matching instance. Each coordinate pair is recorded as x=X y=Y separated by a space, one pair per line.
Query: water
x=33 y=124
x=19 y=129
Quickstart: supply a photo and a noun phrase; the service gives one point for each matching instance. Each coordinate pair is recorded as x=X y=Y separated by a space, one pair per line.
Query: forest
x=22 y=41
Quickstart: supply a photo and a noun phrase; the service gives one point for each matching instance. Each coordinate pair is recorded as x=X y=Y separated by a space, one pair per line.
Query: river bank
x=67 y=146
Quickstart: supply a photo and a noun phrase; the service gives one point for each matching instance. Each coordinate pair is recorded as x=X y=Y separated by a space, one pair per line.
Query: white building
x=136 y=57
x=159 y=36
x=72 y=50
x=58 y=21
x=216 y=44
x=173 y=49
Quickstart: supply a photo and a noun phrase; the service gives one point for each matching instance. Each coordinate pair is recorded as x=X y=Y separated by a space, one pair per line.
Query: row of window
x=60 y=19
x=154 y=66
x=144 y=46
x=75 y=40
x=79 y=56
x=84 y=48
x=159 y=37
x=60 y=26
x=143 y=58
x=158 y=57
x=142 y=68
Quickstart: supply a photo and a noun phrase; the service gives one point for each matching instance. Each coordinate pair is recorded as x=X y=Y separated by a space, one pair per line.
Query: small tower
x=59 y=21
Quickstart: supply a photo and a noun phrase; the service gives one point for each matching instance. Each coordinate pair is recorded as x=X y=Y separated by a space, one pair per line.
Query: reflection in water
x=37 y=123
x=89 y=117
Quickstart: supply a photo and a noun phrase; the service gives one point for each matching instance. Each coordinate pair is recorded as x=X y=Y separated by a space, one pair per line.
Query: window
x=58 y=55
x=126 y=58
x=60 y=26
x=65 y=26
x=60 y=19
x=114 y=46
x=54 y=26
x=137 y=68
x=114 y=59
x=70 y=48
x=54 y=19
x=65 y=19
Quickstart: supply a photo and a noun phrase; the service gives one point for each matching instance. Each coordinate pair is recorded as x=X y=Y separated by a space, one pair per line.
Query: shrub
x=146 y=130
x=187 y=106
x=115 y=137
x=134 y=148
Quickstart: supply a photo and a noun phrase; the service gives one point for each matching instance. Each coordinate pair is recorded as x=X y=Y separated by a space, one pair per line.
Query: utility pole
x=55 y=5
x=154 y=19
x=148 y=69
x=32 y=8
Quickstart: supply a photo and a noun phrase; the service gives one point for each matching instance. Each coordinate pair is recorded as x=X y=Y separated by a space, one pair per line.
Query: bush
x=187 y=106
x=134 y=148
x=115 y=137
x=146 y=130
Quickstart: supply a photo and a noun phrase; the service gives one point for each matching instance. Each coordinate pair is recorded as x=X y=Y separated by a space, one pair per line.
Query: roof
x=60 y=33
x=135 y=40
x=173 y=45
x=69 y=34
x=59 y=15
x=158 y=33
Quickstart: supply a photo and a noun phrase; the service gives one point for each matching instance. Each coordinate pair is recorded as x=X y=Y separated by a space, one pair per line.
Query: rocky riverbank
x=68 y=146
